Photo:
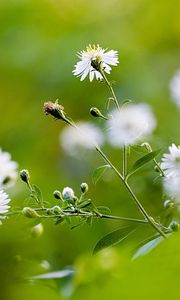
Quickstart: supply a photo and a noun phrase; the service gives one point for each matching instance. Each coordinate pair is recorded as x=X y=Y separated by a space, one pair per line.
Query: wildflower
x=86 y=136
x=4 y=200
x=175 y=88
x=130 y=124
x=171 y=162
x=93 y=60
x=8 y=169
x=68 y=193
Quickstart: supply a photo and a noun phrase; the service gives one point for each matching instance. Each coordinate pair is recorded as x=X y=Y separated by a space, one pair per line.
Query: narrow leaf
x=104 y=210
x=139 y=149
x=54 y=275
x=143 y=160
x=148 y=246
x=99 y=172
x=36 y=193
x=113 y=238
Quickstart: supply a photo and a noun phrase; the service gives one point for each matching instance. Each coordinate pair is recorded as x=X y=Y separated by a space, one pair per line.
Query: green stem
x=141 y=208
x=124 y=161
x=111 y=89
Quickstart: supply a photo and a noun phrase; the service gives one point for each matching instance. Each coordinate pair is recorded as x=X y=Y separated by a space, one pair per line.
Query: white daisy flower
x=86 y=136
x=171 y=187
x=130 y=124
x=175 y=87
x=8 y=169
x=92 y=59
x=4 y=200
x=171 y=162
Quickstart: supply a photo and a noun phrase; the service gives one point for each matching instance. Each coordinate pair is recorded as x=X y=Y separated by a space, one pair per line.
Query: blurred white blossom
x=86 y=136
x=172 y=187
x=175 y=88
x=171 y=162
x=130 y=124
x=91 y=59
x=4 y=200
x=8 y=170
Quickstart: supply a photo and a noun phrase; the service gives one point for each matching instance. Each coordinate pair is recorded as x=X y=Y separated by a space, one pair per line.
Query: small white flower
x=172 y=187
x=4 y=200
x=171 y=162
x=8 y=169
x=175 y=87
x=130 y=124
x=67 y=193
x=95 y=56
x=86 y=136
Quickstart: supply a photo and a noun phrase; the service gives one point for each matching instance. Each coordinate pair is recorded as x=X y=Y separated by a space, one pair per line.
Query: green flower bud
x=24 y=174
x=29 y=212
x=57 y=210
x=49 y=211
x=37 y=230
x=84 y=187
x=168 y=204
x=174 y=226
x=95 y=112
x=57 y=194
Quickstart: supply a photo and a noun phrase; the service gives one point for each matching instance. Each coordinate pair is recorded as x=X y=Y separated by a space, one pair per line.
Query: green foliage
x=99 y=172
x=113 y=238
x=142 y=161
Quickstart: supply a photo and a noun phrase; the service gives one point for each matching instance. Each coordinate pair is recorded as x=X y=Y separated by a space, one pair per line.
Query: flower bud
x=84 y=187
x=37 y=230
x=57 y=194
x=68 y=193
x=57 y=210
x=54 y=109
x=24 y=174
x=174 y=226
x=29 y=212
x=168 y=204
x=95 y=112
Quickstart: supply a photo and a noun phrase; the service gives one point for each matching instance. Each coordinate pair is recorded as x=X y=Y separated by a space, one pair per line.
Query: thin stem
x=94 y=215
x=111 y=89
x=124 y=219
x=124 y=161
x=141 y=208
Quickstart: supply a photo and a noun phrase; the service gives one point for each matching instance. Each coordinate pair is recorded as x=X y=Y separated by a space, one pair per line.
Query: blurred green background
x=38 y=44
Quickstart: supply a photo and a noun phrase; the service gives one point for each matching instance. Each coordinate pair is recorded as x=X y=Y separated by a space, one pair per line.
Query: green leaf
x=126 y=101
x=113 y=238
x=147 y=246
x=143 y=160
x=103 y=210
x=84 y=203
x=36 y=193
x=99 y=172
x=139 y=149
x=54 y=275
